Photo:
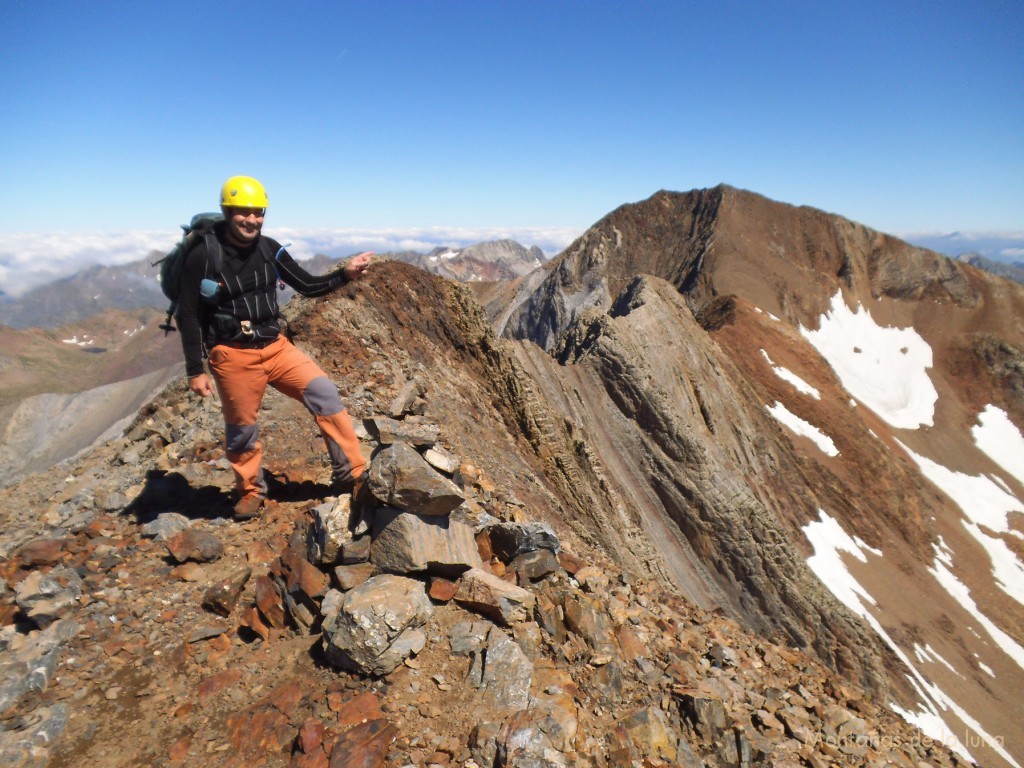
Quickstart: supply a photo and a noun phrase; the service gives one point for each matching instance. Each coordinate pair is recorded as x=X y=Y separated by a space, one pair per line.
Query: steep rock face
x=663 y=412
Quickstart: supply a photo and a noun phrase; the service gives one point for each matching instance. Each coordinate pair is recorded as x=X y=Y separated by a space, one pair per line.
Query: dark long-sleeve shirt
x=248 y=292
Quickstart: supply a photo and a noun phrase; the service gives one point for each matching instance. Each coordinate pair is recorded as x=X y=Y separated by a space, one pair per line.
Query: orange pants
x=242 y=376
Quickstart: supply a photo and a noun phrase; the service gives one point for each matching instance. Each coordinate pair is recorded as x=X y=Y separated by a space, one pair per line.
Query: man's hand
x=201 y=385
x=357 y=265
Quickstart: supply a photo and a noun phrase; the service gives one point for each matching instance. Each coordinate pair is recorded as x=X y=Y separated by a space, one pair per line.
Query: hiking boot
x=249 y=507
x=355 y=487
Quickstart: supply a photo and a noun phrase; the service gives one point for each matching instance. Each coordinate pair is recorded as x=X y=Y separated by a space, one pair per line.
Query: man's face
x=244 y=224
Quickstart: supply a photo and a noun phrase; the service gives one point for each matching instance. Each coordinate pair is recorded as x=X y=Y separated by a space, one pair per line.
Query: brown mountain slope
x=759 y=276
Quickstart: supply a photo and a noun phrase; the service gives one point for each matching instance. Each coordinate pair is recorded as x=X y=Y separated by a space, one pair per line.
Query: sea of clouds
x=1006 y=247
x=31 y=259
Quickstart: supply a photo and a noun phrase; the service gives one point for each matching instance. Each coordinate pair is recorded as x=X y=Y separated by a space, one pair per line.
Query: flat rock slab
x=494 y=597
x=404 y=542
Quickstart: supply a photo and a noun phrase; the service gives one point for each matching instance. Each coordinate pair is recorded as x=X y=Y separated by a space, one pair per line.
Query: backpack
x=172 y=265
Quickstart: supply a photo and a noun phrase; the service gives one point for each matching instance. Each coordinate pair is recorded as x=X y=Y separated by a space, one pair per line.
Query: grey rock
x=403 y=402
x=506 y=677
x=27 y=745
x=400 y=477
x=329 y=531
x=46 y=597
x=30 y=661
x=441 y=460
x=469 y=637
x=499 y=669
x=404 y=542
x=376 y=626
x=192 y=544
x=509 y=540
x=533 y=566
x=390 y=432
x=524 y=741
x=166 y=525
x=474 y=515
x=351 y=576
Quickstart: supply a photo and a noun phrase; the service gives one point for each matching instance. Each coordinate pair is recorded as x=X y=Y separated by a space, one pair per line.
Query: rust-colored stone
x=483 y=545
x=442 y=589
x=257 y=733
x=222 y=596
x=268 y=600
x=179 y=749
x=315 y=759
x=285 y=698
x=358 y=709
x=630 y=646
x=303 y=575
x=364 y=745
x=216 y=683
x=311 y=736
x=251 y=618
x=259 y=552
x=41 y=552
x=570 y=563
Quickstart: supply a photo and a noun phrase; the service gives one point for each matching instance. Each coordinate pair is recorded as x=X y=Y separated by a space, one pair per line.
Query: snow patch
x=84 y=342
x=830 y=541
x=927 y=653
x=1000 y=440
x=959 y=591
x=786 y=375
x=885 y=368
x=801 y=427
x=984 y=504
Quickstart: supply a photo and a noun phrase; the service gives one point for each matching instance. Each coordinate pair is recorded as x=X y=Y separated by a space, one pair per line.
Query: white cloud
x=31 y=259
x=1012 y=253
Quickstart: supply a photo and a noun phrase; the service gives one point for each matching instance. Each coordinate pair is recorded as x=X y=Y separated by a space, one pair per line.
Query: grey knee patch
x=241 y=439
x=321 y=397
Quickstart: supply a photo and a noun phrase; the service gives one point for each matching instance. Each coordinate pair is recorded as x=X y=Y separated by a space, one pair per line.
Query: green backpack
x=172 y=265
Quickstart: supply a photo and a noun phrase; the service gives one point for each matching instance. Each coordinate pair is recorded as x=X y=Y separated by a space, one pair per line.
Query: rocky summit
x=590 y=534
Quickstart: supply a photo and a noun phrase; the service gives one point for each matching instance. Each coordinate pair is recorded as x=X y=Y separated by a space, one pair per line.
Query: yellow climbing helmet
x=243 y=192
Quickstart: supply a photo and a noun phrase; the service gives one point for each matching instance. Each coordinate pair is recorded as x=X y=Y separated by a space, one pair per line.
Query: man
x=233 y=318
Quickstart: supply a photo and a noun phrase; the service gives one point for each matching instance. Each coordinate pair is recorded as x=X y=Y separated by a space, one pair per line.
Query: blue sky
x=525 y=116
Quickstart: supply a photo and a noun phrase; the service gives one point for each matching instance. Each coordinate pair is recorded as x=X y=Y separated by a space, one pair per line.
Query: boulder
x=376 y=626
x=404 y=542
x=46 y=597
x=400 y=477
x=493 y=597
x=191 y=544
x=391 y=432
x=509 y=540
x=166 y=525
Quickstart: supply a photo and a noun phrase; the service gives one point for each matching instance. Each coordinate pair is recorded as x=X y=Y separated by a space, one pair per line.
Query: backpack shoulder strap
x=214 y=250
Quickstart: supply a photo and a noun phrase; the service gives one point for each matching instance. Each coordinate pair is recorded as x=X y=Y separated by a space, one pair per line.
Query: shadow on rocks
x=170 y=492
x=281 y=488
